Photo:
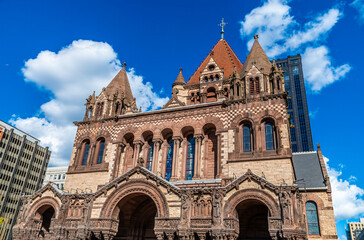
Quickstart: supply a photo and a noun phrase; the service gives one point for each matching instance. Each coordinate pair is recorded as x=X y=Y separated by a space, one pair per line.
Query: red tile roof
x=224 y=57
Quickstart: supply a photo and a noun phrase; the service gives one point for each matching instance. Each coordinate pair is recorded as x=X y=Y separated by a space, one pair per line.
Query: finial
x=256 y=36
x=124 y=64
x=222 y=25
x=180 y=69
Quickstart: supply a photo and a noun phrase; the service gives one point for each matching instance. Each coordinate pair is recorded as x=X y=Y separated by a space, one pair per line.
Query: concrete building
x=22 y=167
x=360 y=236
x=214 y=163
x=354 y=229
x=57 y=175
x=300 y=130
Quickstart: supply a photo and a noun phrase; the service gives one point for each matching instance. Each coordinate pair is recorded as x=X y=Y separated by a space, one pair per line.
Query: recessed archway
x=253 y=220
x=45 y=214
x=136 y=217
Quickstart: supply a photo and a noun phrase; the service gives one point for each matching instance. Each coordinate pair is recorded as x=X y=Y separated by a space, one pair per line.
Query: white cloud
x=70 y=76
x=347 y=197
x=271 y=22
x=318 y=69
x=314 y=30
x=359 y=6
x=279 y=33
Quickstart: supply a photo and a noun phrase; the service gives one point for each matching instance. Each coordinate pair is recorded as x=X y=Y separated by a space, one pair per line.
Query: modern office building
x=57 y=175
x=297 y=103
x=22 y=166
x=354 y=229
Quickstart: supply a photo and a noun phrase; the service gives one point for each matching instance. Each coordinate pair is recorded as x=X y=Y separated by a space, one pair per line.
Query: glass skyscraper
x=297 y=103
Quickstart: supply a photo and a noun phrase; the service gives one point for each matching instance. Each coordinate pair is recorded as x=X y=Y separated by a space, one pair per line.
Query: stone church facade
x=214 y=163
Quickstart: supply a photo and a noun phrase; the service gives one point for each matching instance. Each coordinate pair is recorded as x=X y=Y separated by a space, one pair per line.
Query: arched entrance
x=136 y=217
x=253 y=220
x=45 y=215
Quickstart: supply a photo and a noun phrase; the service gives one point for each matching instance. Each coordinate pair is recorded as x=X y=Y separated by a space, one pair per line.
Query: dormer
x=212 y=72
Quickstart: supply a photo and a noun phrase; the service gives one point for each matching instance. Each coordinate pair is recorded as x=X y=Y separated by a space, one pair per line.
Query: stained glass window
x=85 y=155
x=269 y=141
x=246 y=139
x=150 y=155
x=101 y=151
x=169 y=160
x=312 y=218
x=190 y=157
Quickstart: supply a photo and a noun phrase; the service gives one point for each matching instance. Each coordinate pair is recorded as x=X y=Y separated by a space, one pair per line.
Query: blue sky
x=54 y=54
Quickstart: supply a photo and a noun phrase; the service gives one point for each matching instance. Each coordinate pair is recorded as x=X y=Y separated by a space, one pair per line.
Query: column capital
x=120 y=144
x=177 y=138
x=138 y=142
x=198 y=136
x=157 y=140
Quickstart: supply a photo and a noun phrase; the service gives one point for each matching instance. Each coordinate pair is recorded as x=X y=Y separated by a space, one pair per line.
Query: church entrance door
x=253 y=220
x=136 y=218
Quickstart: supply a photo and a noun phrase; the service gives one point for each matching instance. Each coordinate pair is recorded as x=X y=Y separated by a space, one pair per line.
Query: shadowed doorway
x=253 y=220
x=136 y=218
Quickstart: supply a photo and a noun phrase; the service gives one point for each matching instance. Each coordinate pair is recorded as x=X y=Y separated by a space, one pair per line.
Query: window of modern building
x=169 y=160
x=101 y=148
x=150 y=155
x=295 y=69
x=294 y=148
x=190 y=157
x=295 y=61
x=269 y=137
x=246 y=138
x=86 y=152
x=312 y=218
x=293 y=134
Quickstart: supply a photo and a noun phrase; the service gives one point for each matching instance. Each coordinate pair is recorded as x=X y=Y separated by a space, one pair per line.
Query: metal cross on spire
x=222 y=25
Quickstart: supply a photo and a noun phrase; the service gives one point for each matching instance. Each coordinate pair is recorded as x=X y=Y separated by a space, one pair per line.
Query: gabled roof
x=223 y=56
x=258 y=58
x=120 y=84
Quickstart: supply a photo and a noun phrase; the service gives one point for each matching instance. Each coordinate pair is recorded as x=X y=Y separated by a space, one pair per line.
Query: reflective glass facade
x=297 y=103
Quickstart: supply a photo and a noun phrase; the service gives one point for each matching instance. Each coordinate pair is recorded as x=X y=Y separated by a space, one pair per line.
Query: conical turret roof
x=120 y=84
x=258 y=58
x=180 y=80
x=224 y=57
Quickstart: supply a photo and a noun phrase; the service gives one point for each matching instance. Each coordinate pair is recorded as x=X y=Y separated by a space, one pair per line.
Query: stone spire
x=258 y=58
x=120 y=84
x=180 y=80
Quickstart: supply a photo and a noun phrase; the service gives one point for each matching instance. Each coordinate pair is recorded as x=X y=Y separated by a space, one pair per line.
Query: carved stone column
x=117 y=163
x=203 y=97
x=157 y=143
x=218 y=155
x=198 y=138
x=137 y=147
x=176 y=146
x=90 y=157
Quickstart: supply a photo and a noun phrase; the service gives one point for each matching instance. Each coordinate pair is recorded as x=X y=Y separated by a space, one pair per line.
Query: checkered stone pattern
x=225 y=116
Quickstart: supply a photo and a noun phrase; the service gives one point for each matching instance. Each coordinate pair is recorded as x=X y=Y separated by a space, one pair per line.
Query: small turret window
x=217 y=77
x=211 y=67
